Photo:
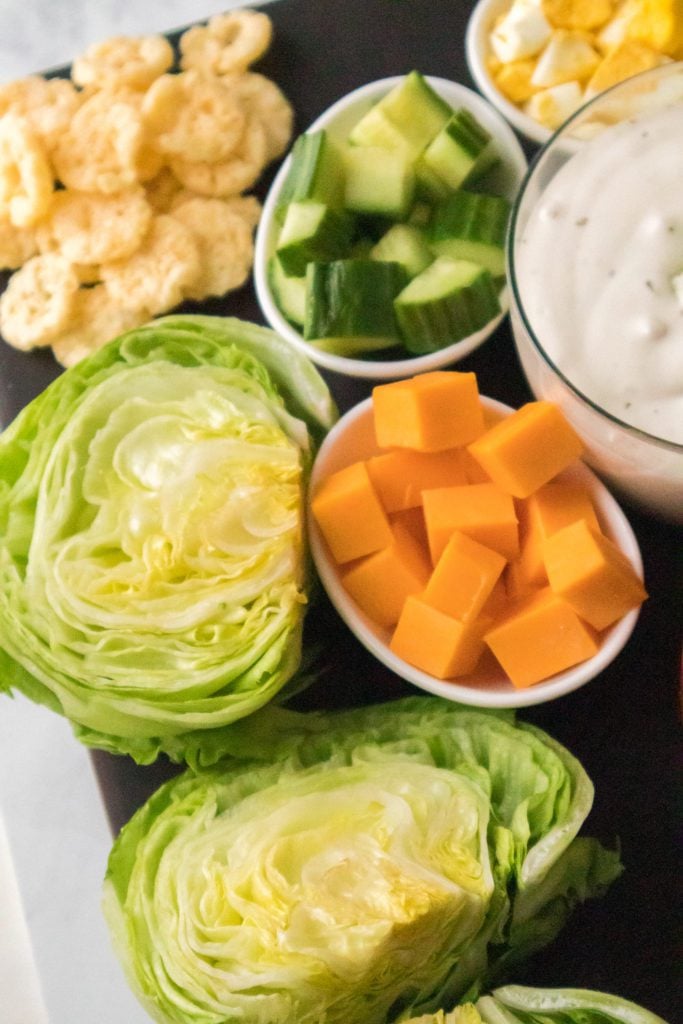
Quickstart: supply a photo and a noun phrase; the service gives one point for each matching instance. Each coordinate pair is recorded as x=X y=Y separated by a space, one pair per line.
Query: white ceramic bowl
x=352 y=438
x=477 y=51
x=338 y=120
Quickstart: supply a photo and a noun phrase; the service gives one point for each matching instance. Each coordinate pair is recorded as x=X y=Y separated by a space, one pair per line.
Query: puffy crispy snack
x=265 y=101
x=123 y=60
x=38 y=301
x=196 y=114
x=89 y=227
x=103 y=147
x=96 y=319
x=225 y=243
x=162 y=189
x=26 y=182
x=17 y=245
x=47 y=104
x=158 y=275
x=94 y=169
x=227 y=43
x=227 y=177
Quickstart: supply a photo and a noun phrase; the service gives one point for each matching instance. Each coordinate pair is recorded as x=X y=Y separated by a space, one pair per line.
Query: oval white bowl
x=339 y=119
x=477 y=50
x=352 y=438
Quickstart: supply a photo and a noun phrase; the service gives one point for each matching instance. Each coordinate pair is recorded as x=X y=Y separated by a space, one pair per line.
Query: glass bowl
x=644 y=468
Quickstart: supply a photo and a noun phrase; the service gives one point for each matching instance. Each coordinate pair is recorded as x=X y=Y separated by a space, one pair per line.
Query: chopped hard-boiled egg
x=578 y=14
x=622 y=61
x=551 y=107
x=568 y=57
x=540 y=46
x=522 y=32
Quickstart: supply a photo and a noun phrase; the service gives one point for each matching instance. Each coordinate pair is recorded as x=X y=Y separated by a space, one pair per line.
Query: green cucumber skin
x=331 y=239
x=416 y=109
x=316 y=172
x=352 y=299
x=471 y=225
x=455 y=152
x=289 y=292
x=441 y=320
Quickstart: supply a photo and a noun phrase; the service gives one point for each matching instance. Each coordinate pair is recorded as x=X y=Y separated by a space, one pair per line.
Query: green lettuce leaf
x=517 y=1004
x=153 y=572
x=347 y=866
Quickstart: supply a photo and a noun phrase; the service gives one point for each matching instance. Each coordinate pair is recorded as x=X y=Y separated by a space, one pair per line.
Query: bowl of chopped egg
x=538 y=61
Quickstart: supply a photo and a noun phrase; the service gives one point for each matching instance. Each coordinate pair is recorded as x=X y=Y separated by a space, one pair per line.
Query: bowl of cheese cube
x=538 y=61
x=467 y=546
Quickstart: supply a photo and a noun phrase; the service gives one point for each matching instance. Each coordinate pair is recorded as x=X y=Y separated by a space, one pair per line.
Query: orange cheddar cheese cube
x=481 y=511
x=540 y=636
x=463 y=578
x=436 y=643
x=527 y=449
x=350 y=515
x=414 y=521
x=381 y=582
x=428 y=413
x=592 y=574
x=543 y=513
x=400 y=476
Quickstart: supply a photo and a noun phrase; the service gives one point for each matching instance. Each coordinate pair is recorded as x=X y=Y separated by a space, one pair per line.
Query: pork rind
x=102 y=150
x=225 y=243
x=123 y=60
x=88 y=227
x=126 y=182
x=265 y=101
x=47 y=104
x=38 y=301
x=191 y=113
x=96 y=318
x=227 y=43
x=17 y=245
x=159 y=275
x=26 y=182
x=227 y=177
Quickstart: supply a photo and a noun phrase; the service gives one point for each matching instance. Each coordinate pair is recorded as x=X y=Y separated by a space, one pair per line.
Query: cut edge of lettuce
x=527 y=789
x=96 y=621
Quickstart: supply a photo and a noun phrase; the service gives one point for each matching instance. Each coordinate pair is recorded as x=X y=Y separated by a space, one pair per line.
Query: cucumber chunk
x=350 y=305
x=312 y=231
x=316 y=173
x=471 y=226
x=459 y=149
x=289 y=292
x=415 y=111
x=375 y=129
x=404 y=244
x=378 y=181
x=447 y=302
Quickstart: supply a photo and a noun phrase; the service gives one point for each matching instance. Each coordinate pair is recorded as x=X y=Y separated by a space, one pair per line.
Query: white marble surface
x=56 y=963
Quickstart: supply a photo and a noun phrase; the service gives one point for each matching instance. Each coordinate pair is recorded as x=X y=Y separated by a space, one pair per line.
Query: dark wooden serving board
x=624 y=726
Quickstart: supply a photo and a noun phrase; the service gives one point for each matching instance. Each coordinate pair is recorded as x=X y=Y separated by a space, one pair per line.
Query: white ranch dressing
x=596 y=267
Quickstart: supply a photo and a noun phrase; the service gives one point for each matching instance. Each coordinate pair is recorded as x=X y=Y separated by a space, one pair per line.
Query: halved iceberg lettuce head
x=153 y=574
x=351 y=866
x=519 y=1004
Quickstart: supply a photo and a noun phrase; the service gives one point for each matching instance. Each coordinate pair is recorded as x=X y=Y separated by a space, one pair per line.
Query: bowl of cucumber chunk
x=381 y=248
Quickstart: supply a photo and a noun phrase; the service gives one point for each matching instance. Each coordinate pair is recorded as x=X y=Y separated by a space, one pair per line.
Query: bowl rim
x=476 y=36
x=373 y=369
x=636 y=432
x=614 y=638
